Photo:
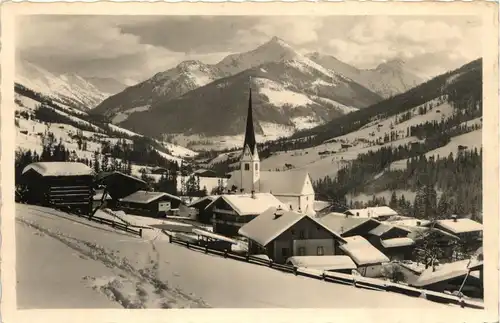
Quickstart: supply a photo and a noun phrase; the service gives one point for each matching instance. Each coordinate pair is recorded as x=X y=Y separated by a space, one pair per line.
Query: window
x=247 y=166
x=256 y=166
x=284 y=252
x=302 y=234
x=302 y=251
x=320 y=251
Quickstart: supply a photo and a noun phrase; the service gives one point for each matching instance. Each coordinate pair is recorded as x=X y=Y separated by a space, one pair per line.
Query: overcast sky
x=133 y=48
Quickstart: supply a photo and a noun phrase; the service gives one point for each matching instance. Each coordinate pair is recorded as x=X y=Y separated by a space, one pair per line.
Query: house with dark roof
x=393 y=241
x=204 y=173
x=281 y=233
x=444 y=240
x=154 y=204
x=118 y=185
x=348 y=226
x=294 y=187
x=231 y=211
x=203 y=214
x=66 y=185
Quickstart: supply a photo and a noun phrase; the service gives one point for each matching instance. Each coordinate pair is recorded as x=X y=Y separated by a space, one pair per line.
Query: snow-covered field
x=69 y=262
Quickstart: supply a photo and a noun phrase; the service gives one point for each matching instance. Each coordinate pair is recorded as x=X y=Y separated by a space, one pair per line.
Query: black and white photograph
x=233 y=160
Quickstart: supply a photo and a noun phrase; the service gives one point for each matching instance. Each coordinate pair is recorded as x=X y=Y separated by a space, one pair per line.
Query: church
x=260 y=190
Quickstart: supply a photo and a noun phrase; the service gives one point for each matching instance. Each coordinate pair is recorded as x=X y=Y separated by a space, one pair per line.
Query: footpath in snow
x=70 y=262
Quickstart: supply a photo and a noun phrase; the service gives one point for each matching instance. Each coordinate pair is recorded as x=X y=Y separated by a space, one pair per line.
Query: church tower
x=250 y=161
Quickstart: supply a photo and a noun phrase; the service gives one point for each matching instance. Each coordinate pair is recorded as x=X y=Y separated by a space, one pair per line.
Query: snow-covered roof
x=278 y=183
x=213 y=236
x=460 y=225
x=418 y=233
x=145 y=197
x=362 y=251
x=323 y=262
x=60 y=169
x=384 y=228
x=372 y=212
x=443 y=273
x=341 y=223
x=397 y=242
x=210 y=198
x=409 y=222
x=321 y=205
x=246 y=204
x=273 y=222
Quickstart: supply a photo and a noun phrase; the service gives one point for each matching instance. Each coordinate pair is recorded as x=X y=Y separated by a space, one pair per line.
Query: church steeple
x=250 y=162
x=249 y=130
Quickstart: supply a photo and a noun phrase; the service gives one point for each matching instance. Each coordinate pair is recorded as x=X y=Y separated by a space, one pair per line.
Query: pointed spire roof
x=249 y=131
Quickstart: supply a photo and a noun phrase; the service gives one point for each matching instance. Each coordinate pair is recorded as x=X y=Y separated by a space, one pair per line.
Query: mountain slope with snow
x=387 y=79
x=162 y=87
x=292 y=94
x=68 y=89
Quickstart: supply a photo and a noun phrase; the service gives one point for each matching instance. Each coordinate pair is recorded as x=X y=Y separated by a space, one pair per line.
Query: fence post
x=187 y=244
x=206 y=249
x=462 y=302
x=248 y=257
x=271 y=263
x=323 y=276
x=169 y=238
x=140 y=233
x=295 y=270
x=225 y=253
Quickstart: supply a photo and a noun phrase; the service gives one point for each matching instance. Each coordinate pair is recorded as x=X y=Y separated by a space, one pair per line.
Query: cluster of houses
x=275 y=212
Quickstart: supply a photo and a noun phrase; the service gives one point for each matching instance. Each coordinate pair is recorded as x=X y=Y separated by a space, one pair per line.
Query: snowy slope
x=105 y=268
x=70 y=89
x=328 y=164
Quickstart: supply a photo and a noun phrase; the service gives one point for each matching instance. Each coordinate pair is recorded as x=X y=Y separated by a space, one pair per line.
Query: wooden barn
x=154 y=204
x=60 y=185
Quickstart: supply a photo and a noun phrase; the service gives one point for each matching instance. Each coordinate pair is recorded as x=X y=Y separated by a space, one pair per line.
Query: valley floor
x=69 y=262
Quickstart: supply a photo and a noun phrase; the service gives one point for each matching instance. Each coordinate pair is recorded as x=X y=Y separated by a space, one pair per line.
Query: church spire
x=249 y=131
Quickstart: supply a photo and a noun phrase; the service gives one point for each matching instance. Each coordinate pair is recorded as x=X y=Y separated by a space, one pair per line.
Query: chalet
x=367 y=258
x=116 y=185
x=464 y=228
x=230 y=212
x=293 y=187
x=281 y=234
x=203 y=215
x=379 y=212
x=60 y=184
x=154 y=204
x=443 y=239
x=348 y=226
x=392 y=241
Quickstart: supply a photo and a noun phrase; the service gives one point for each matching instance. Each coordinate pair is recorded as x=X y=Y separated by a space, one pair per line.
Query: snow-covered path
x=69 y=262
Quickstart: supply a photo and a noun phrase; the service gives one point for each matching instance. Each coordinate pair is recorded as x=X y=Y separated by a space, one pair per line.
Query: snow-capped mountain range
x=291 y=91
x=69 y=89
x=387 y=79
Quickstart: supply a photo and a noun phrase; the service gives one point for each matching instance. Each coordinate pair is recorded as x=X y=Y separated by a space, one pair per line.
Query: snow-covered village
x=245 y=163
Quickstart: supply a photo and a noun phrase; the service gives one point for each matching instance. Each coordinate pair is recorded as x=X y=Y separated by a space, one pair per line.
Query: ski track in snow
x=132 y=287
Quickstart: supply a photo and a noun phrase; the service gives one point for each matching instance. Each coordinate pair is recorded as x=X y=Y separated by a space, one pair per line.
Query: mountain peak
x=394 y=64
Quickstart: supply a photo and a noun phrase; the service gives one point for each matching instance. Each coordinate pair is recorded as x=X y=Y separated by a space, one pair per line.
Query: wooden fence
x=119 y=225
x=334 y=277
